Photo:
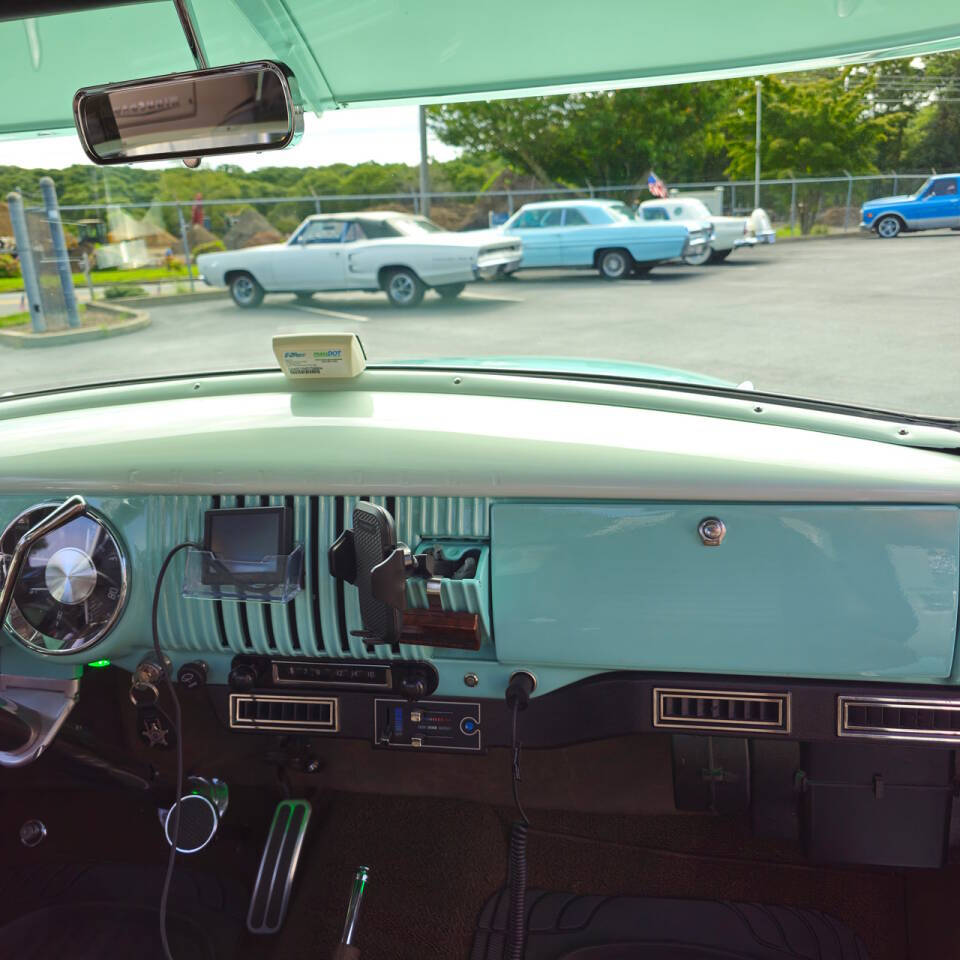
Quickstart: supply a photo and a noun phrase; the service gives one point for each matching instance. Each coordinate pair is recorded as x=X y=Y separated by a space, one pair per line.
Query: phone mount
x=370 y=557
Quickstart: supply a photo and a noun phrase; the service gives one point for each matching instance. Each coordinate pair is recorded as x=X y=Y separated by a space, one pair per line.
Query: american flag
x=656 y=186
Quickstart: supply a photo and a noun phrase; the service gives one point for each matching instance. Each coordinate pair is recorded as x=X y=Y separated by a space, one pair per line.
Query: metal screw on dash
x=712 y=530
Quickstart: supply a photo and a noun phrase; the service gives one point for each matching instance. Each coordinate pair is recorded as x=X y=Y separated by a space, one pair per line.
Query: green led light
x=99 y=663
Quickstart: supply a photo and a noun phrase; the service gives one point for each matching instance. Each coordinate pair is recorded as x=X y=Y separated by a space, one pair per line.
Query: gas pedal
x=278 y=866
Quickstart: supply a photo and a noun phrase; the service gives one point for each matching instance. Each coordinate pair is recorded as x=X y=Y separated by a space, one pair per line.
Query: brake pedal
x=278 y=866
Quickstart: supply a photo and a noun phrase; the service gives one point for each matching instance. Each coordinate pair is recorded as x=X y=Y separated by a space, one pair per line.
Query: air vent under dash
x=892 y=718
x=721 y=710
x=267 y=712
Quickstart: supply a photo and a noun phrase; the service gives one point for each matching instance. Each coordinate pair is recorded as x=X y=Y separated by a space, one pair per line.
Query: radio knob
x=413 y=687
x=242 y=677
x=192 y=675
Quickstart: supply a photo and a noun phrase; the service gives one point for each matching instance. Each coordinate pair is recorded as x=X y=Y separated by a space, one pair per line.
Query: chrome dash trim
x=781 y=725
x=385 y=684
x=293 y=726
x=844 y=703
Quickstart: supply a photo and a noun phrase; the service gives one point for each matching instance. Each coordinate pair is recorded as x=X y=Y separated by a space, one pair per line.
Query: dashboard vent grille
x=892 y=718
x=265 y=712
x=719 y=710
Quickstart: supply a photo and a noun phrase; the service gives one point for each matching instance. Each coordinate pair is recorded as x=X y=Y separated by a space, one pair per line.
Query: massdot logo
x=331 y=354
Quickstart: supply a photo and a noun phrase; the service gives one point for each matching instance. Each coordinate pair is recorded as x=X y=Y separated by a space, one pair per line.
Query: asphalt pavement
x=857 y=320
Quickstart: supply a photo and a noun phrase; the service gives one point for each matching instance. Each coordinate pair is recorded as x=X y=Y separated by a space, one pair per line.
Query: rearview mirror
x=245 y=107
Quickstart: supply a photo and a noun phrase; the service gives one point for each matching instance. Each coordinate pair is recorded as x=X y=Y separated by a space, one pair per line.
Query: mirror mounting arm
x=188 y=21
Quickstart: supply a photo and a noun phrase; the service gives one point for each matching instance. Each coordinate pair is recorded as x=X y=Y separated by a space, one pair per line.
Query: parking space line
x=336 y=314
x=484 y=296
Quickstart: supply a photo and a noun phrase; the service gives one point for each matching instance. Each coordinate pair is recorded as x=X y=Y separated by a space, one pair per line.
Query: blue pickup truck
x=935 y=205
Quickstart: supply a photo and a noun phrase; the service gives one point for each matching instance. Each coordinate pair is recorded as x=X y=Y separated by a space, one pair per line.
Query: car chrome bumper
x=768 y=236
x=867 y=227
x=695 y=242
x=491 y=263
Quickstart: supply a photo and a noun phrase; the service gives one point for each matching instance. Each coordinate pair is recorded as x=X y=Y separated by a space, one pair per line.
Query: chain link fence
x=790 y=200
x=46 y=266
x=171 y=232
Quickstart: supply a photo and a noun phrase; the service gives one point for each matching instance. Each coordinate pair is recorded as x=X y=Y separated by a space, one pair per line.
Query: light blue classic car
x=599 y=233
x=935 y=205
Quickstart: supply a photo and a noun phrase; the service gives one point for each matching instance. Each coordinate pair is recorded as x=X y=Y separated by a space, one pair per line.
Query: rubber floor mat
x=564 y=926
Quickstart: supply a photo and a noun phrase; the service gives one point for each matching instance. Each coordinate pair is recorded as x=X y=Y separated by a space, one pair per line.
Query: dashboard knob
x=242 y=677
x=413 y=687
x=192 y=675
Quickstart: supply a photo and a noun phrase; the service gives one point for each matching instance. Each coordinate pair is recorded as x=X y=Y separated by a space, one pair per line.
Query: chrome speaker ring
x=19 y=628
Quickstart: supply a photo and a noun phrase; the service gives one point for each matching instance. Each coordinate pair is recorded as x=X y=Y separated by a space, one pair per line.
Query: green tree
x=814 y=126
x=932 y=139
x=614 y=137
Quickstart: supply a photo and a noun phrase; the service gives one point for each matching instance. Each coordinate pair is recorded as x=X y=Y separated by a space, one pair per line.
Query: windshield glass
x=411 y=226
x=540 y=255
x=622 y=211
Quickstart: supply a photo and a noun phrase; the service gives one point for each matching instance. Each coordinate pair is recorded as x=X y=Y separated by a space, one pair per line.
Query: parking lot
x=853 y=319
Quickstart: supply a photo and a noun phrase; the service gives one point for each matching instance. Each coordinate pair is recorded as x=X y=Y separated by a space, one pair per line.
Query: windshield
x=541 y=254
x=411 y=226
x=622 y=211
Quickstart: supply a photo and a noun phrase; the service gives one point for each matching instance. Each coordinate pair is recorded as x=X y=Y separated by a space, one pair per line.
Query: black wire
x=516 y=766
x=179 y=740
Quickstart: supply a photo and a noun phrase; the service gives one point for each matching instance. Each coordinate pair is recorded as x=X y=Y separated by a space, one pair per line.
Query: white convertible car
x=400 y=254
x=729 y=233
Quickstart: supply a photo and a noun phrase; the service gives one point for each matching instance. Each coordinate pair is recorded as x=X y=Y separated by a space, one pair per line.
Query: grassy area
x=18 y=319
x=817 y=230
x=8 y=284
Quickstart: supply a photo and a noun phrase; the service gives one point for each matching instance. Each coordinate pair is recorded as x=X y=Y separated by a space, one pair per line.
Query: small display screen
x=246 y=545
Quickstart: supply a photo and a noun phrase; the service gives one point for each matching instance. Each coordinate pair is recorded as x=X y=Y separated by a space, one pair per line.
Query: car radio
x=410 y=679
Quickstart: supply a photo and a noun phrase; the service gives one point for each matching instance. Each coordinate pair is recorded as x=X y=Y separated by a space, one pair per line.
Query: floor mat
x=434 y=863
x=84 y=911
x=563 y=926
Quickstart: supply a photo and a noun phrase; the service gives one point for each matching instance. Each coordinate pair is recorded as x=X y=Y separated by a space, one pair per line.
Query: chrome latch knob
x=712 y=530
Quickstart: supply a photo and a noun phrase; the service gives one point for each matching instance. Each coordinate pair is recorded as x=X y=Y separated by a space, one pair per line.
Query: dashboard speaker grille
x=892 y=718
x=265 y=712
x=721 y=710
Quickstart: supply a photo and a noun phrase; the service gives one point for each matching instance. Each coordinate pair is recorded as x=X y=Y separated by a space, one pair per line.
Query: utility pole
x=60 y=254
x=756 y=169
x=188 y=259
x=28 y=269
x=424 y=172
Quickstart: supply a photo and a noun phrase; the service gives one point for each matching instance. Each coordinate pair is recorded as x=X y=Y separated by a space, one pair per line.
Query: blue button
x=469 y=725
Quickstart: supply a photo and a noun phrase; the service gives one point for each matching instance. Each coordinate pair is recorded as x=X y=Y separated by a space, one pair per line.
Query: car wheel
x=614 y=264
x=698 y=258
x=718 y=256
x=404 y=288
x=450 y=291
x=889 y=227
x=246 y=292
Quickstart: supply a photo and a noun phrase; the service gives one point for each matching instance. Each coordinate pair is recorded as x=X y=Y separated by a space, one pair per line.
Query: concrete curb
x=170 y=298
x=849 y=235
x=139 y=320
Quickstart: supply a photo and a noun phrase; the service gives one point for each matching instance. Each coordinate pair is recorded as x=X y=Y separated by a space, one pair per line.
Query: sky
x=382 y=134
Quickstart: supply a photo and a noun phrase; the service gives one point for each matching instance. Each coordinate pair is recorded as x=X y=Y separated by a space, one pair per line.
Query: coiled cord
x=517 y=878
x=177 y=732
x=518 y=696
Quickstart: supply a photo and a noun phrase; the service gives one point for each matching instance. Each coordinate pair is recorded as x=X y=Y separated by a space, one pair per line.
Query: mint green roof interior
x=382 y=51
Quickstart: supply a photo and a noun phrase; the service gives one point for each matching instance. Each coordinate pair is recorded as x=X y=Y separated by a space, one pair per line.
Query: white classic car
x=729 y=233
x=400 y=254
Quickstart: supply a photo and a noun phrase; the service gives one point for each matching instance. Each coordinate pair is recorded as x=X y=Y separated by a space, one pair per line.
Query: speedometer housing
x=73 y=585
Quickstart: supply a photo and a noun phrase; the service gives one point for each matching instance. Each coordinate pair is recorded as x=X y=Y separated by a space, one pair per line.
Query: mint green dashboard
x=841 y=558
